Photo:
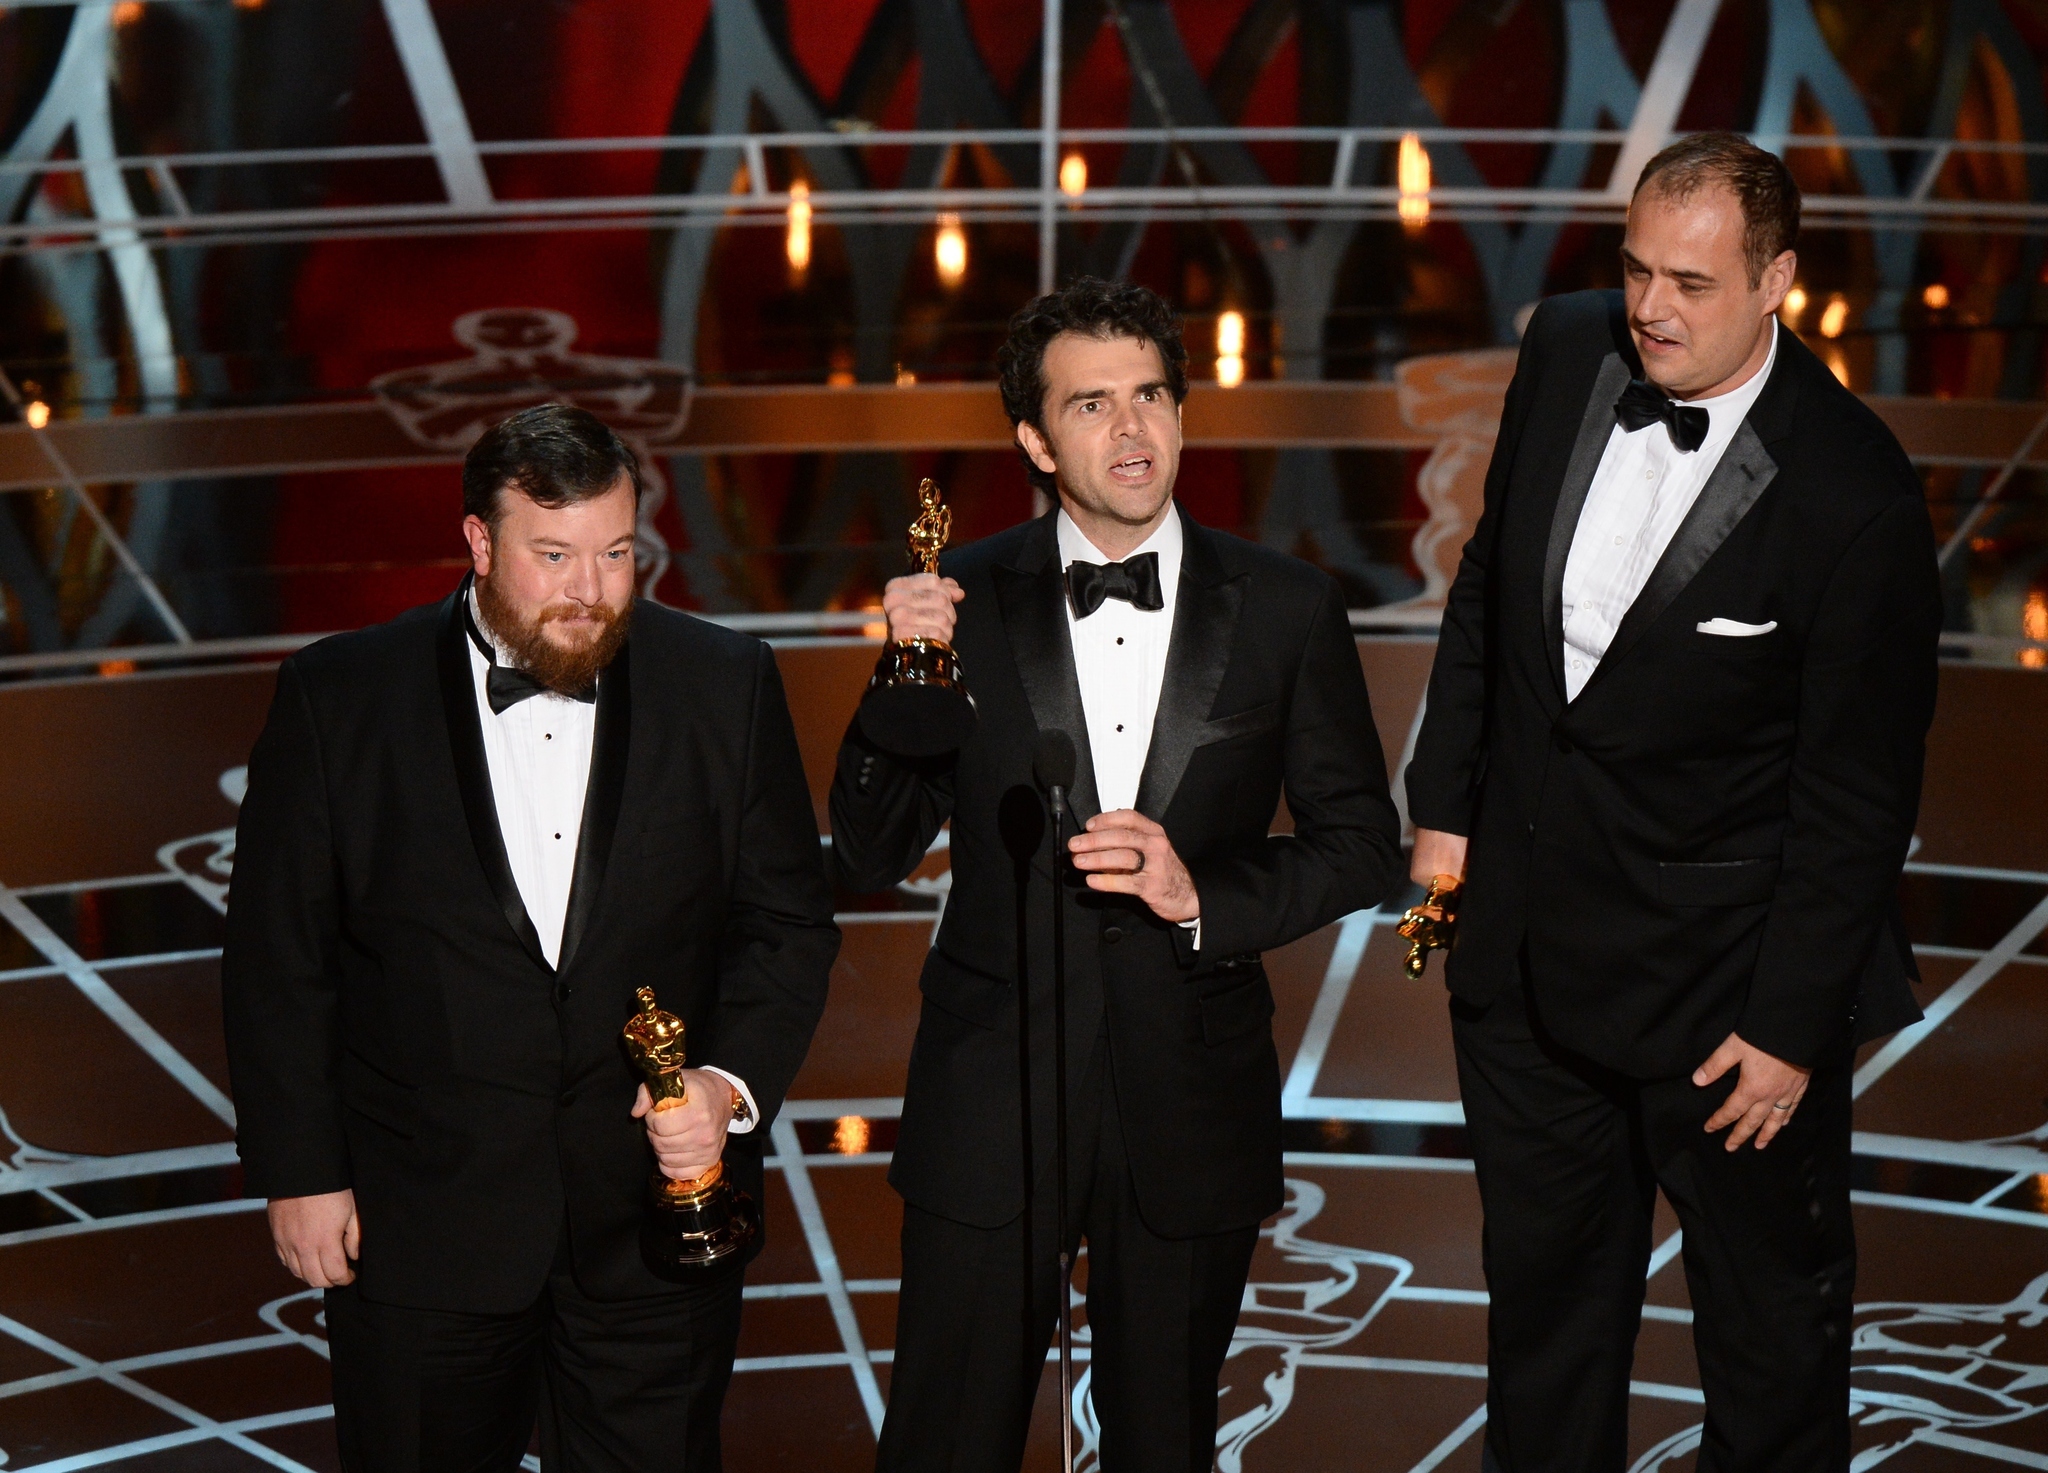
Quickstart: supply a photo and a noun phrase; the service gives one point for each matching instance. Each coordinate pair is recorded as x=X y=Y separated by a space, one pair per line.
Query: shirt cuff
x=738 y=1127
x=1194 y=925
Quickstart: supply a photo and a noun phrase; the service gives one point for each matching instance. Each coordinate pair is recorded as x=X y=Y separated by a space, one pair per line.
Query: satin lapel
x=1204 y=629
x=1746 y=468
x=473 y=774
x=1596 y=427
x=1032 y=598
x=610 y=743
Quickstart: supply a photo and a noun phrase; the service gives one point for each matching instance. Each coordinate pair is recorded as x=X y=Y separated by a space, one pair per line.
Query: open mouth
x=1134 y=468
x=1657 y=342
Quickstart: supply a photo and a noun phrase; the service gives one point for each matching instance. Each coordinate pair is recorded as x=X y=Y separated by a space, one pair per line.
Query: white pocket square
x=1734 y=628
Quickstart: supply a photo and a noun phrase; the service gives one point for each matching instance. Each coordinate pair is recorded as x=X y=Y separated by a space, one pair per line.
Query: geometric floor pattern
x=145 y=1324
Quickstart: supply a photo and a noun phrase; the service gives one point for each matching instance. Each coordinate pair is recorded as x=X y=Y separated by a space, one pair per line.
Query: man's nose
x=585 y=584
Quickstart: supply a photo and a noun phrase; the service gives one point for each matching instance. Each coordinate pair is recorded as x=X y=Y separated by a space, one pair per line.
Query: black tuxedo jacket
x=1709 y=838
x=393 y=1026
x=1262 y=692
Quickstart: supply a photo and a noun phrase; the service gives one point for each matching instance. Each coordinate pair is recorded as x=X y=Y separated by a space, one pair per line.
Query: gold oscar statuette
x=917 y=703
x=689 y=1230
x=1432 y=925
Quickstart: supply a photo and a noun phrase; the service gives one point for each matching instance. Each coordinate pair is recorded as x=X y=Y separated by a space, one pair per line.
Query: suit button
x=562 y=992
x=568 y=1098
x=1564 y=744
x=1112 y=934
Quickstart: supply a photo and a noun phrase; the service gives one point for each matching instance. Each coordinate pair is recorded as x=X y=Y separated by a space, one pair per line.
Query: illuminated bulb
x=128 y=12
x=37 y=414
x=905 y=377
x=1412 y=174
x=1795 y=304
x=1936 y=295
x=798 y=241
x=1230 y=334
x=1835 y=318
x=949 y=251
x=850 y=1135
x=248 y=4
x=1229 y=371
x=1073 y=176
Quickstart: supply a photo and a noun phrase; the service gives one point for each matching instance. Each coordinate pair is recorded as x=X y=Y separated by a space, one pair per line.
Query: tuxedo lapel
x=473 y=773
x=602 y=797
x=1204 y=628
x=1031 y=595
x=1746 y=468
x=1596 y=427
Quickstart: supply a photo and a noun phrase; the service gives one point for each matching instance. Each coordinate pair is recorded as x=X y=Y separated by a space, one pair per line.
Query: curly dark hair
x=1100 y=309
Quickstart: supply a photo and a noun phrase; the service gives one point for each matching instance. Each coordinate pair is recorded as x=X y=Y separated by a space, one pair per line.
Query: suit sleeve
x=886 y=810
x=1866 y=701
x=776 y=959
x=1345 y=852
x=1444 y=770
x=280 y=967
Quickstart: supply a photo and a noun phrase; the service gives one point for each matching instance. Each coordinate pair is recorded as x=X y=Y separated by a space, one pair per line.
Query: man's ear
x=1778 y=277
x=477 y=533
x=1036 y=446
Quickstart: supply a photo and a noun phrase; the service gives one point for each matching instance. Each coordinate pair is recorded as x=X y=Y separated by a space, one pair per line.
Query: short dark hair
x=555 y=454
x=1758 y=179
x=1100 y=309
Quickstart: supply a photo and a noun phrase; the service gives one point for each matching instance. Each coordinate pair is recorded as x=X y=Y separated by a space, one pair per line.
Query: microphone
x=1052 y=763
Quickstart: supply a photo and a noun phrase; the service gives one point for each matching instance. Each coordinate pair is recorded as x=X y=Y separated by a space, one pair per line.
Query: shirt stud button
x=558 y=836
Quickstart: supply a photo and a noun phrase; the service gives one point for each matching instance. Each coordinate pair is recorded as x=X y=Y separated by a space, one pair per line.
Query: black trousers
x=1570 y=1157
x=979 y=1306
x=617 y=1387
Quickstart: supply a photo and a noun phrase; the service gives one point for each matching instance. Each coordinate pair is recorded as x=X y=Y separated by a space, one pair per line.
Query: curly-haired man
x=1199 y=676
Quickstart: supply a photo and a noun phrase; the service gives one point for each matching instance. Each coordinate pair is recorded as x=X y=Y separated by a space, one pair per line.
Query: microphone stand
x=1058 y=795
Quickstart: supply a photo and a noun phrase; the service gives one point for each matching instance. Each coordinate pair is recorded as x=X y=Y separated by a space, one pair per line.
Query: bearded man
x=470 y=834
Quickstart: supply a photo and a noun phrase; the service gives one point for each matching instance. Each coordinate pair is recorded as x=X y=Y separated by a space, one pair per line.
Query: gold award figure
x=1432 y=925
x=917 y=703
x=692 y=1229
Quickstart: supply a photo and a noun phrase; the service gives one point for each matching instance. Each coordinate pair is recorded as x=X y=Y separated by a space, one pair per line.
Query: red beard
x=569 y=669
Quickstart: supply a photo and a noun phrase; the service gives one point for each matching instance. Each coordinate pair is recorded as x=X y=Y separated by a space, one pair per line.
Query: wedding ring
x=1141 y=863
x=1781 y=1107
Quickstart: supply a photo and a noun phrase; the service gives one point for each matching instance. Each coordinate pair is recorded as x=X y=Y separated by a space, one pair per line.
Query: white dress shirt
x=1120 y=664
x=538 y=752
x=1640 y=494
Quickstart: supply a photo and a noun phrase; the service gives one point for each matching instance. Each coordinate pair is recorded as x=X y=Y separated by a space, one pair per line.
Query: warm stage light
x=2034 y=626
x=1230 y=348
x=128 y=12
x=1835 y=318
x=1412 y=174
x=798 y=243
x=37 y=414
x=1230 y=333
x=850 y=1135
x=1838 y=366
x=1795 y=304
x=1936 y=296
x=1073 y=176
x=949 y=250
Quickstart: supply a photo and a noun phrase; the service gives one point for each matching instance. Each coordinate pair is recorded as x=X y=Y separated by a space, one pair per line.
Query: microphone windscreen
x=1053 y=760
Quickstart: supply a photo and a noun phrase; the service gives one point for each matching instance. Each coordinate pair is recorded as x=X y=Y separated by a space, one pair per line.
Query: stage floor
x=145 y=1324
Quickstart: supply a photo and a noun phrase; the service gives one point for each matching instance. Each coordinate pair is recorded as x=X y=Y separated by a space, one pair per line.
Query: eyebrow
x=1700 y=276
x=1081 y=396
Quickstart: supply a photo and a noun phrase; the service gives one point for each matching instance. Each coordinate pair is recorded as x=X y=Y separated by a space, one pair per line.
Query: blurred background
x=267 y=266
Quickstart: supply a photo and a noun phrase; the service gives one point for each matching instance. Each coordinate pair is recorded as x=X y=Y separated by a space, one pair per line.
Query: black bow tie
x=1643 y=404
x=1134 y=580
x=505 y=686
